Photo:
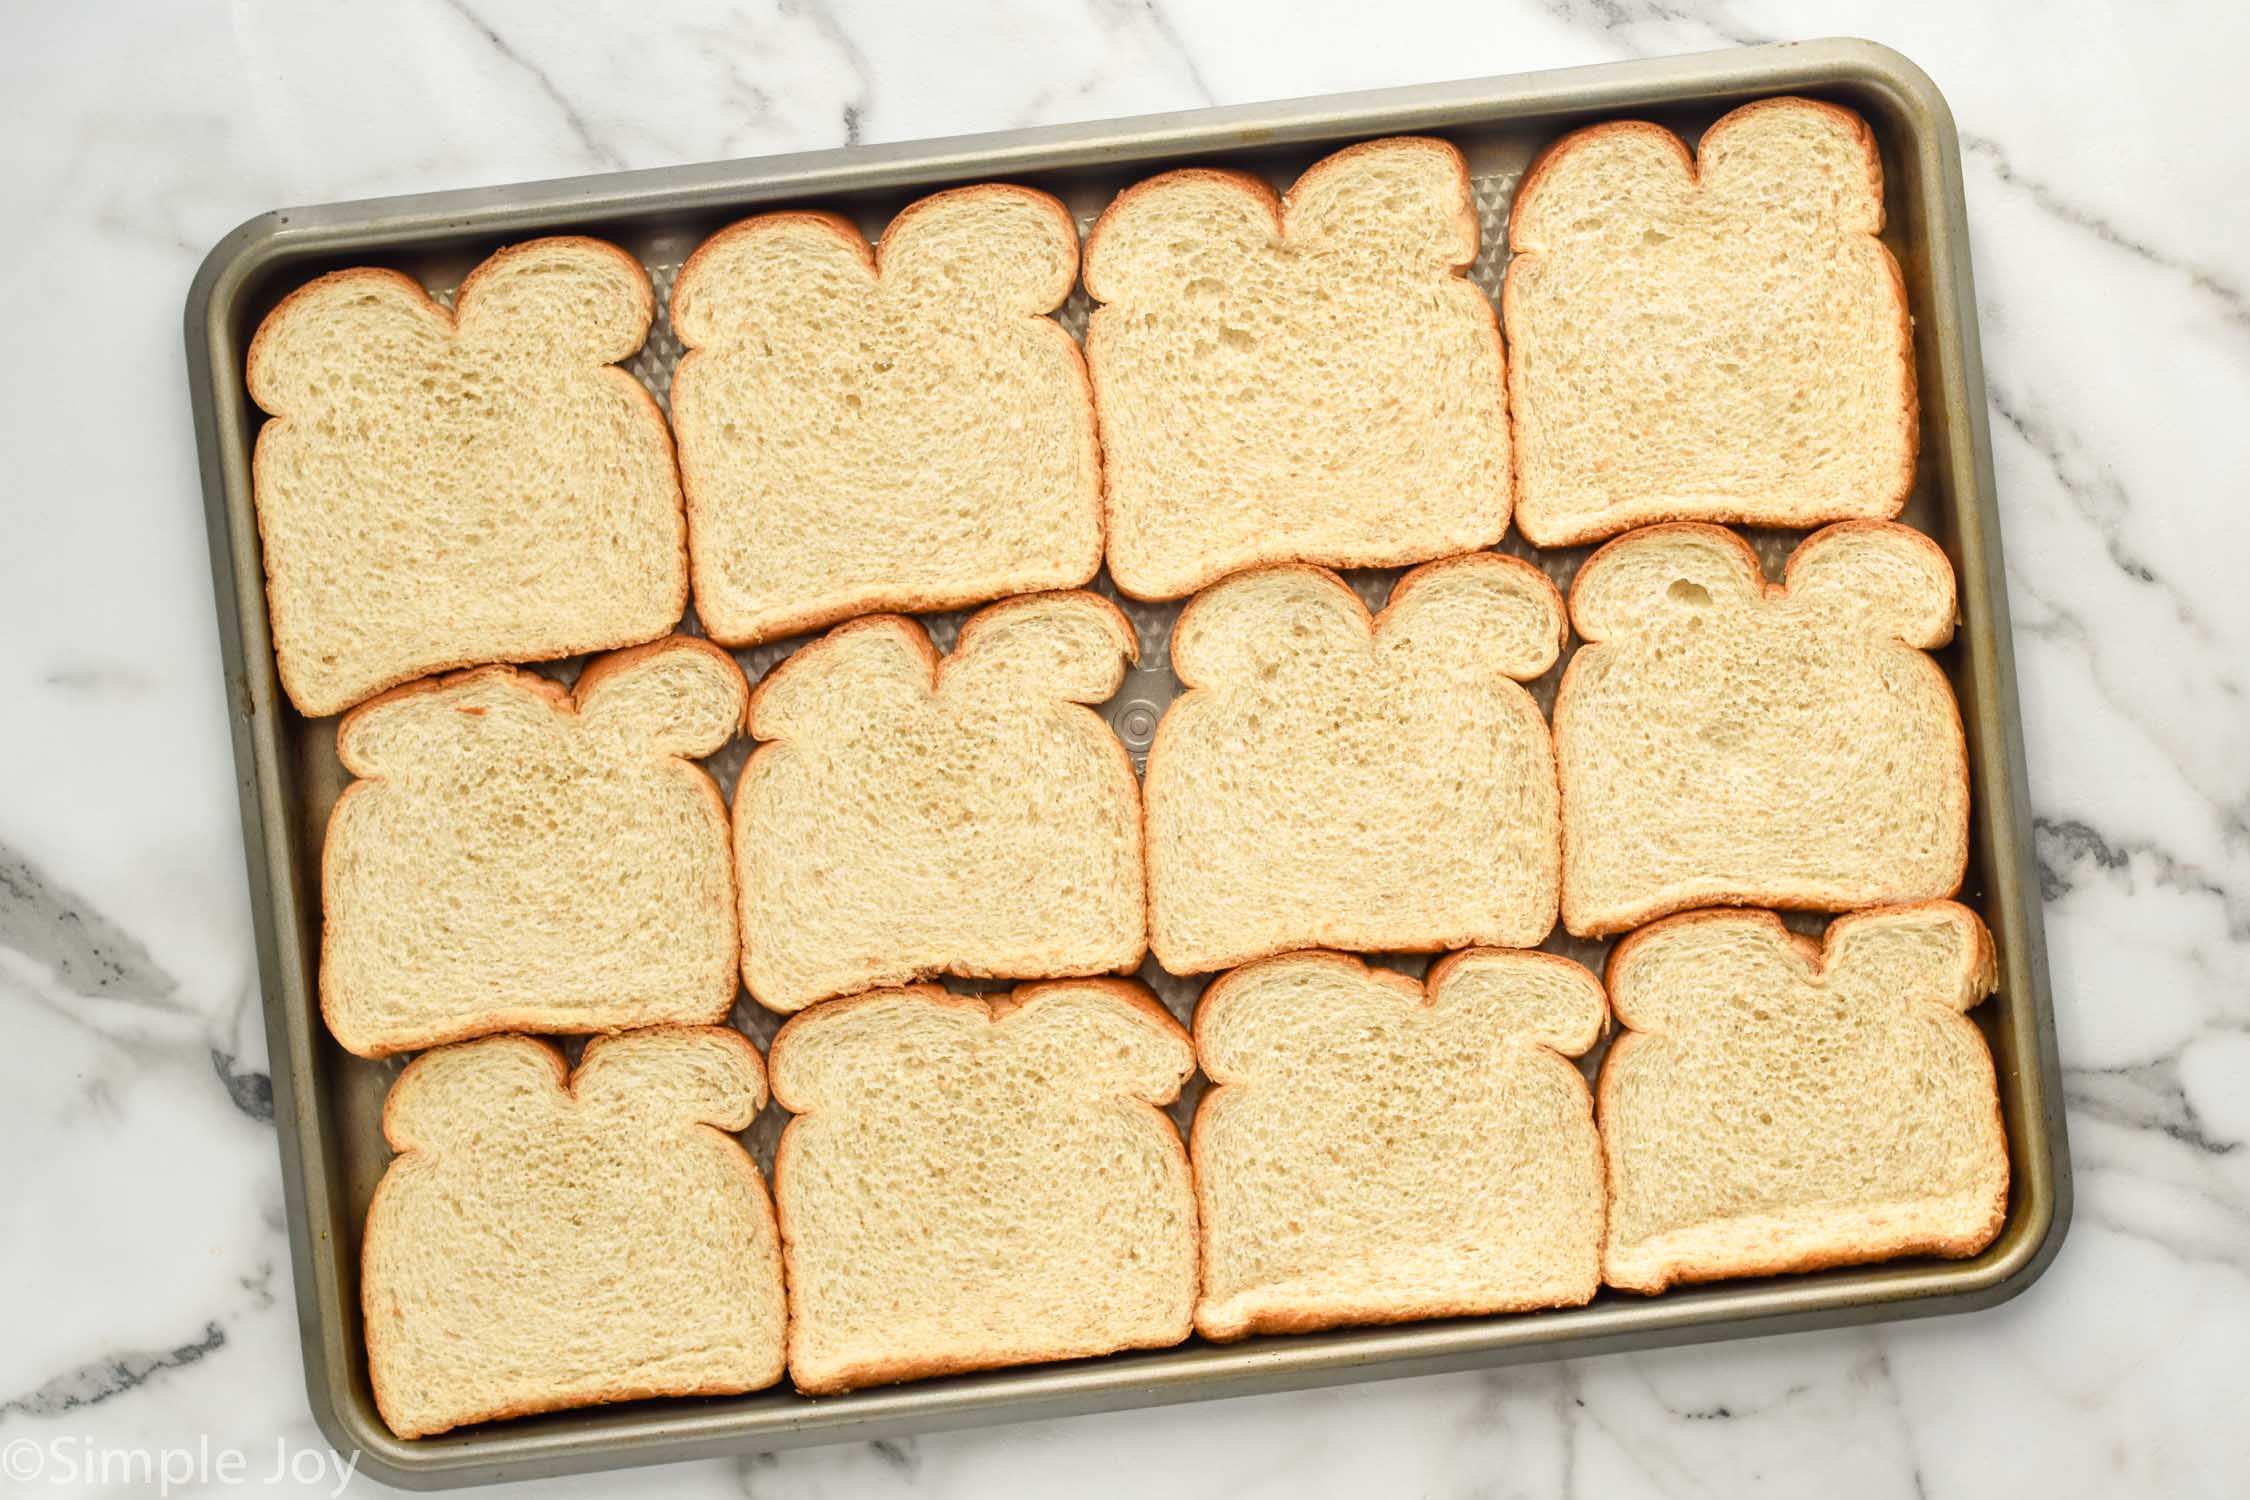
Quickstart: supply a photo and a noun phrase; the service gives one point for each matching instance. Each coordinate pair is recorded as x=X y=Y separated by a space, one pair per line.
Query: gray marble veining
x=148 y=1302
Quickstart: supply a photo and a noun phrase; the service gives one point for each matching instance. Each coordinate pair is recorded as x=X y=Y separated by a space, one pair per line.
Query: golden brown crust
x=1692 y=1272
x=974 y=628
x=867 y=1373
x=1406 y=584
x=1200 y=605
x=1257 y=189
x=1210 y=1009
x=269 y=327
x=1465 y=222
x=564 y=701
x=635 y=271
x=1066 y=229
x=1593 y=568
x=545 y=1050
x=1278 y=205
x=734 y=1041
x=692 y=270
x=611 y=663
x=854 y=603
x=820 y=1014
x=1816 y=952
x=1815 y=956
x=1529 y=572
x=906 y=630
x=1534 y=179
x=1658 y=512
x=1442 y=970
x=993 y=1009
x=1306 y=1318
x=1927 y=545
x=1862 y=136
x=1423 y=994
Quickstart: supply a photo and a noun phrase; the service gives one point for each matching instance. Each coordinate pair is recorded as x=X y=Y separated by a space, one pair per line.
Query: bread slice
x=438 y=489
x=1332 y=779
x=1782 y=1105
x=912 y=815
x=972 y=1182
x=900 y=428
x=522 y=857
x=1717 y=338
x=1723 y=740
x=540 y=1244
x=1302 y=379
x=1375 y=1151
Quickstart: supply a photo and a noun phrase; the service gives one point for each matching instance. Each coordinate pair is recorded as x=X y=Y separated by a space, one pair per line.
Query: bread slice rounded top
x=441 y=488
x=1718 y=336
x=1303 y=378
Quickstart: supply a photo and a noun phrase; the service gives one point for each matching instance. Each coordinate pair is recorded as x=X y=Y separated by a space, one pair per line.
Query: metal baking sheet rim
x=1912 y=116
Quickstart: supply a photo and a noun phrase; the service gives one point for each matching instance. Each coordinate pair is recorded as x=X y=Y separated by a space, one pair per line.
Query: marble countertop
x=147 y=1301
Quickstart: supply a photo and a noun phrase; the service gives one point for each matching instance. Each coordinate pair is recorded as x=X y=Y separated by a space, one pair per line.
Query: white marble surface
x=145 y=1272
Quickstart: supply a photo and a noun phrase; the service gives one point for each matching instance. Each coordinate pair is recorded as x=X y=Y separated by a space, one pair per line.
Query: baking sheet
x=328 y=1102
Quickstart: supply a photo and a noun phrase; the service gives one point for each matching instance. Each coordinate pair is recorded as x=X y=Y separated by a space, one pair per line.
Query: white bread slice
x=439 y=489
x=540 y=1244
x=522 y=857
x=1783 y=1105
x=1375 y=1152
x=972 y=1182
x=912 y=815
x=899 y=428
x=1302 y=379
x=1374 y=784
x=1720 y=338
x=1726 y=741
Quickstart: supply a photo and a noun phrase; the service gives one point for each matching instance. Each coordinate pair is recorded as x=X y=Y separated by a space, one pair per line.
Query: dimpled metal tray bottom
x=328 y=1102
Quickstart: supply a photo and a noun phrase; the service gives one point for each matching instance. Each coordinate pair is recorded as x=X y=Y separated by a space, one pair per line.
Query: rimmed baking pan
x=326 y=1101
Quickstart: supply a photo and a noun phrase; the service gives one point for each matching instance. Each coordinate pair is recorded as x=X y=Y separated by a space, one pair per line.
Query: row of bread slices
x=976 y=1182
x=518 y=856
x=1303 y=378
